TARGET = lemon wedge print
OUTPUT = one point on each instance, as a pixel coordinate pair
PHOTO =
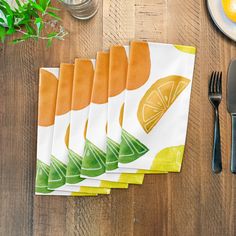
(94, 161)
(41, 185)
(186, 49)
(112, 154)
(159, 97)
(130, 148)
(169, 159)
(67, 136)
(73, 168)
(121, 114)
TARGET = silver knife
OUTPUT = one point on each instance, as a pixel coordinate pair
(231, 102)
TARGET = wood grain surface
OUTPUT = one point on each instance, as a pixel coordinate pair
(192, 203)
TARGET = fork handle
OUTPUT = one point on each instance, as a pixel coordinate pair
(216, 161)
(233, 145)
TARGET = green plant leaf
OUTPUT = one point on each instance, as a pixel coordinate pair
(37, 6)
(1, 20)
(7, 7)
(10, 31)
(54, 9)
(52, 14)
(49, 43)
(52, 35)
(39, 24)
(30, 29)
(2, 33)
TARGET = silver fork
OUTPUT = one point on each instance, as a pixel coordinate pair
(215, 96)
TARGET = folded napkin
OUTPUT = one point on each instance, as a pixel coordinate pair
(48, 83)
(81, 96)
(94, 161)
(59, 153)
(116, 98)
(156, 106)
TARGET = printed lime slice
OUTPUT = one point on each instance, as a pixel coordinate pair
(94, 161)
(57, 175)
(73, 168)
(113, 149)
(41, 182)
(130, 148)
(169, 159)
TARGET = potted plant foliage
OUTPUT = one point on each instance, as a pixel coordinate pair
(30, 19)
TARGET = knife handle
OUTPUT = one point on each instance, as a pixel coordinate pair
(233, 145)
(216, 161)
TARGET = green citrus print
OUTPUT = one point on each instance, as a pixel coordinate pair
(73, 168)
(57, 176)
(130, 149)
(94, 161)
(113, 149)
(169, 159)
(41, 185)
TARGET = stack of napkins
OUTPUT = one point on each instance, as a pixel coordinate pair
(104, 123)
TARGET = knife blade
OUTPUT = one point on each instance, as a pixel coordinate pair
(231, 103)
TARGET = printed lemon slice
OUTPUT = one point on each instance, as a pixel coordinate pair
(121, 114)
(67, 136)
(57, 175)
(41, 185)
(112, 154)
(169, 159)
(94, 161)
(186, 49)
(73, 168)
(159, 97)
(130, 148)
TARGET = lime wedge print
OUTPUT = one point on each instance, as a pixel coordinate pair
(41, 185)
(57, 175)
(169, 159)
(73, 168)
(113, 149)
(131, 148)
(94, 161)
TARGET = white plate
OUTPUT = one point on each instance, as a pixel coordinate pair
(223, 23)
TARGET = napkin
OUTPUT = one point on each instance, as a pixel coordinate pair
(94, 161)
(59, 153)
(116, 98)
(156, 106)
(48, 84)
(116, 91)
(81, 96)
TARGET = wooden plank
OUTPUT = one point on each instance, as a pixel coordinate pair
(118, 22)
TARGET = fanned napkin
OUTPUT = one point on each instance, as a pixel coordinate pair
(156, 106)
(81, 96)
(48, 84)
(94, 161)
(59, 153)
(116, 98)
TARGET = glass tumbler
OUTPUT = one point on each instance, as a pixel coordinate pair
(81, 9)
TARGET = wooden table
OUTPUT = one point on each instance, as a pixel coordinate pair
(194, 202)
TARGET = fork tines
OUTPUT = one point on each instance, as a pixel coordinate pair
(215, 84)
